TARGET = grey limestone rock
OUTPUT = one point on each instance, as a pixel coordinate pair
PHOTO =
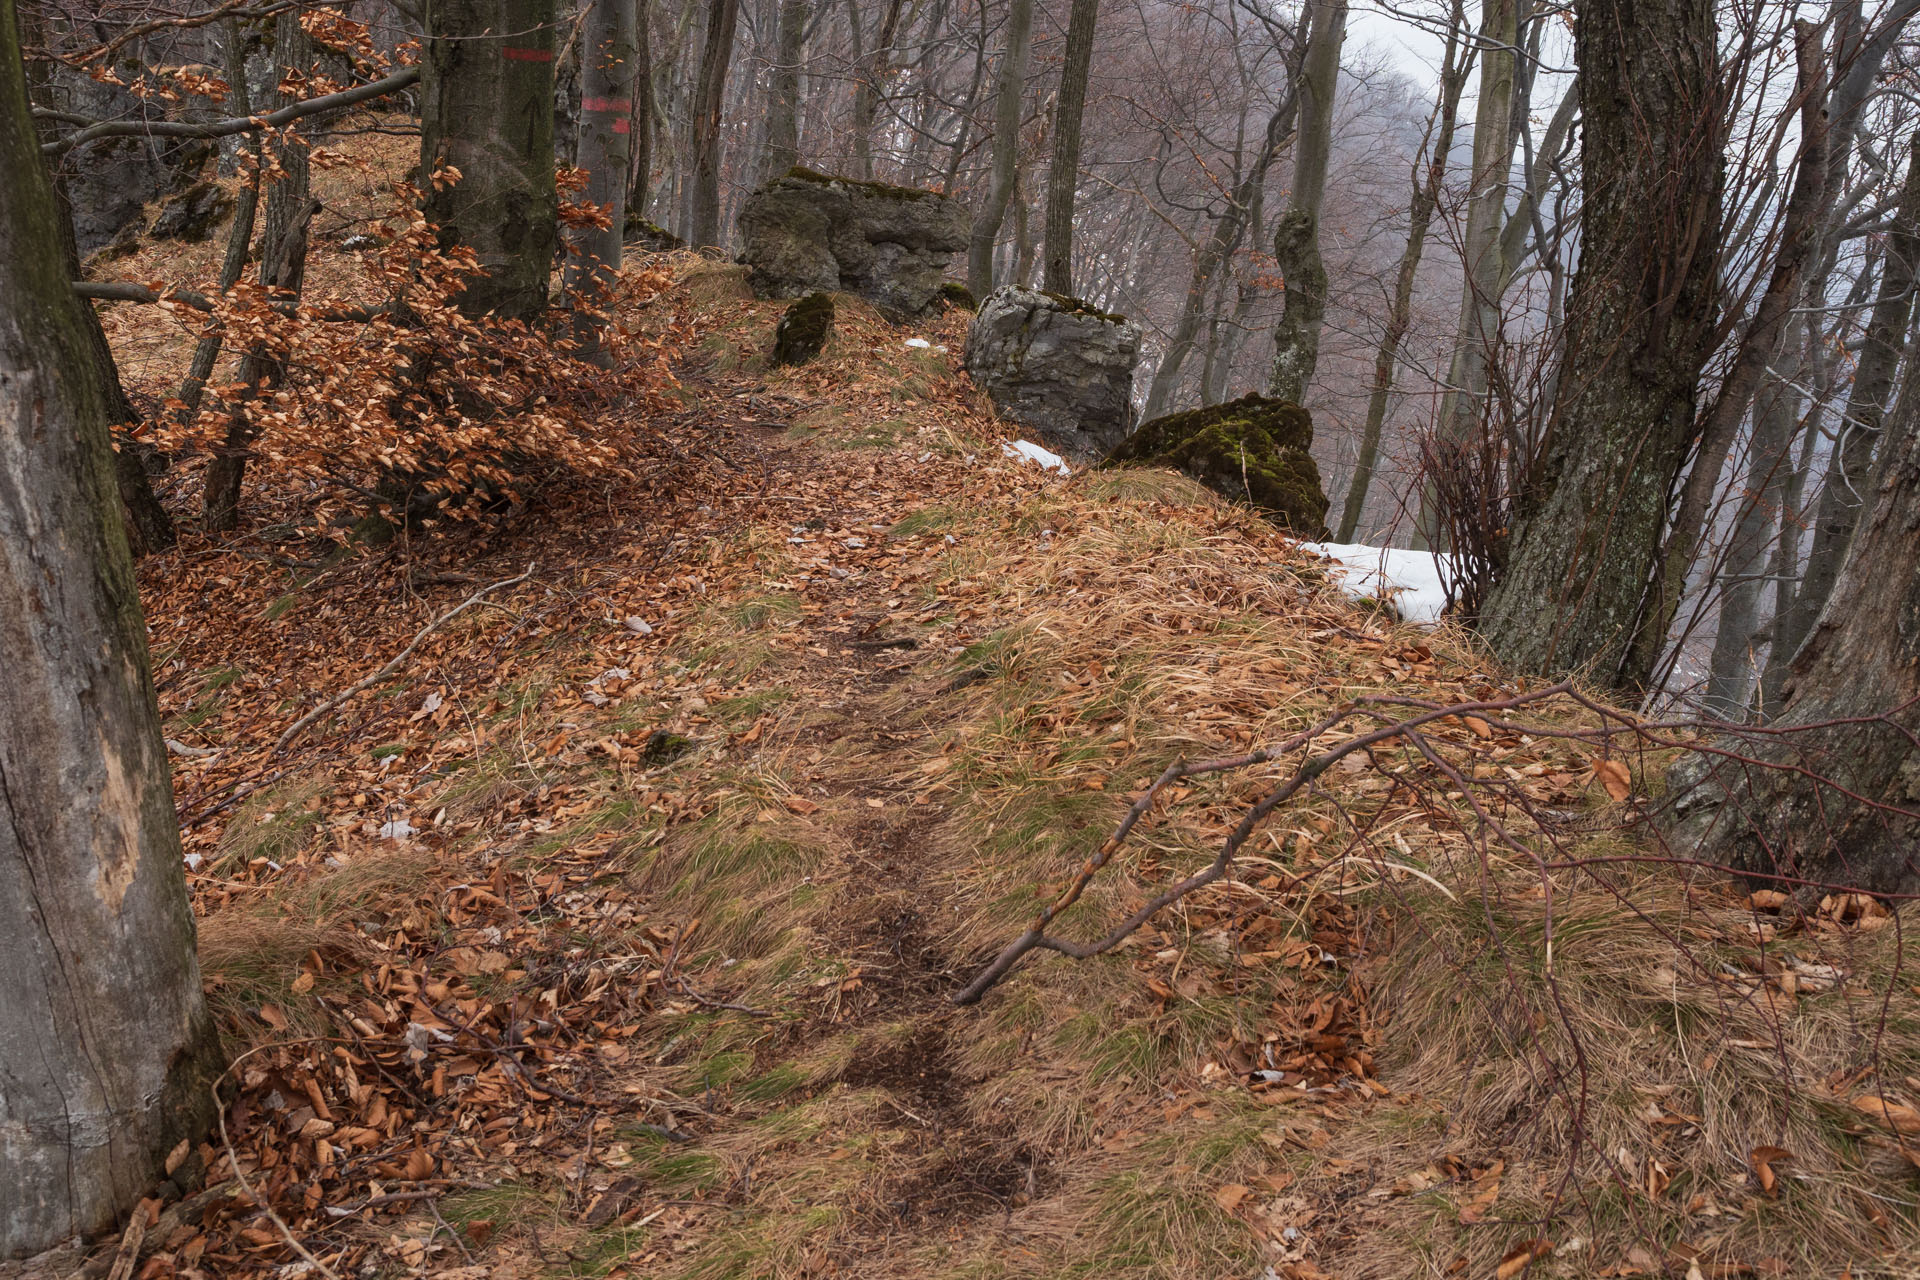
(809, 232)
(1056, 365)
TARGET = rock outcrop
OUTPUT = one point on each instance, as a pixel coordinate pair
(809, 232)
(804, 329)
(1253, 450)
(1056, 365)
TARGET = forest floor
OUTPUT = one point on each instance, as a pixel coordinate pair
(615, 932)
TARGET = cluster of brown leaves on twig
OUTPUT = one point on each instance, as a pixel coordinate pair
(408, 403)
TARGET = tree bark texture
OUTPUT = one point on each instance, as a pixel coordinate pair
(1641, 328)
(1849, 475)
(866, 94)
(1799, 235)
(106, 1047)
(1487, 186)
(607, 87)
(703, 227)
(1063, 181)
(782, 150)
(1426, 197)
(1006, 147)
(486, 95)
(1296, 240)
(1840, 809)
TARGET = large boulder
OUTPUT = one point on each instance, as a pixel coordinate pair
(1056, 365)
(809, 232)
(1253, 450)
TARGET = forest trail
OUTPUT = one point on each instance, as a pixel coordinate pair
(616, 933)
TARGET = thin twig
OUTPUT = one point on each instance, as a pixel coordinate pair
(368, 682)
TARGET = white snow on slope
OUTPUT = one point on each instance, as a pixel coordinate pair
(1032, 452)
(1415, 582)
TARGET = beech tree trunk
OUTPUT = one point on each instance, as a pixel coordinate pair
(1296, 240)
(782, 150)
(607, 86)
(1799, 235)
(1641, 326)
(866, 94)
(1849, 474)
(106, 1047)
(640, 158)
(1839, 811)
(1064, 179)
(1006, 147)
(703, 226)
(1454, 67)
(486, 109)
(149, 527)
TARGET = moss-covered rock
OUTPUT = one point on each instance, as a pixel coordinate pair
(955, 294)
(809, 231)
(648, 235)
(804, 329)
(1253, 450)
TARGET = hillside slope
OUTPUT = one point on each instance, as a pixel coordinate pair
(616, 932)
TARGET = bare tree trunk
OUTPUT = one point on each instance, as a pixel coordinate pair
(703, 225)
(486, 94)
(149, 527)
(1493, 143)
(1296, 241)
(866, 95)
(206, 352)
(283, 269)
(1064, 178)
(607, 87)
(1426, 196)
(1839, 811)
(1641, 327)
(782, 150)
(1743, 577)
(640, 157)
(1799, 235)
(1849, 473)
(1006, 147)
(106, 1047)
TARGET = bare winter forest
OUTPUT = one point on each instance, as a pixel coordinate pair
(1143, 640)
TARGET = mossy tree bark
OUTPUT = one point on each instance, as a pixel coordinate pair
(149, 527)
(1296, 240)
(106, 1047)
(486, 93)
(1640, 329)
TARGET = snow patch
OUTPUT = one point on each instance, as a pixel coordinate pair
(1414, 582)
(1032, 452)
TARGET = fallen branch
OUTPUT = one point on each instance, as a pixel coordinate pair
(334, 703)
(1037, 938)
(401, 79)
(128, 291)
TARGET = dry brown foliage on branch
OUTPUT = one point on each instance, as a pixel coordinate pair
(396, 402)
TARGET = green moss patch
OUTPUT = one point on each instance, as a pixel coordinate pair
(805, 174)
(1253, 450)
(804, 329)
